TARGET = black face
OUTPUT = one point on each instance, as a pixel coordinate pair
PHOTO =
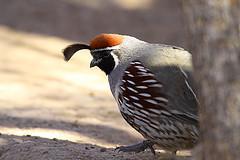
(104, 60)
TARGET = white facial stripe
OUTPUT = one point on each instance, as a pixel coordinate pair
(116, 60)
(105, 49)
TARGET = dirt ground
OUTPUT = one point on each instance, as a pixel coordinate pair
(50, 109)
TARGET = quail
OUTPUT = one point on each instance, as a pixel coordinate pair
(153, 87)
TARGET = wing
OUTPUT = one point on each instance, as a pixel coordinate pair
(144, 93)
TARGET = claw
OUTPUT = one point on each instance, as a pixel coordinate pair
(139, 147)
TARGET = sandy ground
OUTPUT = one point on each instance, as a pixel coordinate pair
(50, 109)
(45, 97)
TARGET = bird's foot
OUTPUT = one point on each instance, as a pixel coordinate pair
(139, 147)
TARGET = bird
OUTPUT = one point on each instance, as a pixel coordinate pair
(153, 87)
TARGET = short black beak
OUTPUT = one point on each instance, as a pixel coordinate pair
(95, 62)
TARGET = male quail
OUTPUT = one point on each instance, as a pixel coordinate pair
(153, 87)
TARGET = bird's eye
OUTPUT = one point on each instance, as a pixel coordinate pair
(105, 54)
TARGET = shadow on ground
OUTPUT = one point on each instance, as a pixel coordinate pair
(44, 97)
(32, 148)
(79, 20)
(93, 131)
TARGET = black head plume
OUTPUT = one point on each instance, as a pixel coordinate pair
(69, 51)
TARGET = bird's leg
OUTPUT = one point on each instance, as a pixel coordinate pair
(139, 147)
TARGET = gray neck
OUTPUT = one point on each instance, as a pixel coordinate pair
(130, 50)
(115, 77)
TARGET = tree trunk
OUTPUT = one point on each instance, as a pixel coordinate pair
(215, 36)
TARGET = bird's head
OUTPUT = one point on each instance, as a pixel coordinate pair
(106, 50)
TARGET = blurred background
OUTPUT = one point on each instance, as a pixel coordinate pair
(41, 95)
